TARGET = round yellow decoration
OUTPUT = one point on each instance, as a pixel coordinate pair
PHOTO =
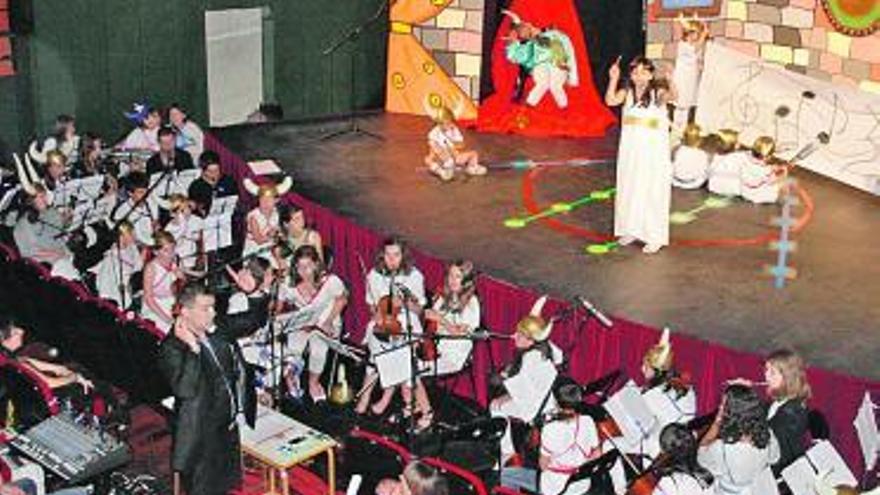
(429, 67)
(398, 81)
(435, 100)
(438, 3)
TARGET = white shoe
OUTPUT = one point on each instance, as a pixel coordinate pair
(626, 240)
(651, 248)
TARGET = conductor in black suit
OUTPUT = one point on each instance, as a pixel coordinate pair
(212, 387)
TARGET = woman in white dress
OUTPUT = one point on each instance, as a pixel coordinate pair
(322, 296)
(644, 166)
(680, 473)
(113, 273)
(456, 313)
(739, 448)
(296, 233)
(160, 275)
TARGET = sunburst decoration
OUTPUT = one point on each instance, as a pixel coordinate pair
(853, 17)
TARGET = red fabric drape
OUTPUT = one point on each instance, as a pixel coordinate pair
(586, 115)
(592, 351)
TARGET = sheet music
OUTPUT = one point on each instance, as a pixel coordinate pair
(174, 182)
(631, 413)
(866, 428)
(395, 367)
(802, 474)
(217, 232)
(282, 440)
(223, 205)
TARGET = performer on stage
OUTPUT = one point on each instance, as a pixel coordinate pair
(296, 233)
(446, 149)
(688, 67)
(322, 296)
(690, 163)
(739, 447)
(186, 229)
(761, 176)
(263, 225)
(547, 55)
(456, 312)
(138, 209)
(64, 139)
(169, 158)
(644, 167)
(211, 184)
(568, 441)
(727, 164)
(212, 389)
(190, 137)
(528, 381)
(160, 276)
(679, 473)
(394, 282)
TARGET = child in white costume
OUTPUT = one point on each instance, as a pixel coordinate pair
(446, 149)
(113, 273)
(644, 166)
(263, 223)
(688, 67)
(759, 177)
(727, 164)
(690, 163)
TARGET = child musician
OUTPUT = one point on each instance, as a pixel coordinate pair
(680, 473)
(690, 163)
(113, 273)
(263, 224)
(456, 312)
(160, 275)
(528, 381)
(187, 231)
(322, 296)
(760, 176)
(688, 67)
(568, 441)
(394, 282)
(446, 149)
(644, 167)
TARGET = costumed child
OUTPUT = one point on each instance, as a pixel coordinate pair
(113, 273)
(446, 148)
(727, 163)
(688, 67)
(761, 176)
(644, 166)
(547, 55)
(187, 231)
(690, 164)
(528, 381)
(145, 136)
(263, 225)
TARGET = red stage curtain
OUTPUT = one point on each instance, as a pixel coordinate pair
(586, 115)
(592, 351)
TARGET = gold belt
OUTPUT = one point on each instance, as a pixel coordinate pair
(649, 122)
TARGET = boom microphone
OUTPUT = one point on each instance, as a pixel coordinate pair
(593, 310)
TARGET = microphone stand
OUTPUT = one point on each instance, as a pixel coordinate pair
(352, 34)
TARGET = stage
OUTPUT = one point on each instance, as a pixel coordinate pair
(709, 283)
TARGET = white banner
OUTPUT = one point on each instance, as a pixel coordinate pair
(757, 98)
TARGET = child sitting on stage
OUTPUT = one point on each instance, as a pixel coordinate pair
(725, 169)
(760, 175)
(690, 164)
(446, 148)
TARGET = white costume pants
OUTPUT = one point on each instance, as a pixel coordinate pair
(552, 78)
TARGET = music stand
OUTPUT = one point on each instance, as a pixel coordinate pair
(351, 35)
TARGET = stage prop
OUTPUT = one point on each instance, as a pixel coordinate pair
(756, 98)
(415, 76)
(853, 17)
(658, 9)
(585, 114)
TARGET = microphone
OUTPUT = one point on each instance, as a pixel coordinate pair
(354, 484)
(593, 310)
(483, 334)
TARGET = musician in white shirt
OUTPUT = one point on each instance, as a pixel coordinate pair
(393, 281)
(680, 473)
(113, 273)
(320, 297)
(528, 381)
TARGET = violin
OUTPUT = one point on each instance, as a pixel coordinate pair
(427, 350)
(387, 311)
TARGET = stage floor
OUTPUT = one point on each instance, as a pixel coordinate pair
(709, 284)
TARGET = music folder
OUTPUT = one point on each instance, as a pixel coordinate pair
(802, 474)
(631, 413)
(866, 429)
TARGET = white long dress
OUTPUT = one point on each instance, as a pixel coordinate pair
(163, 292)
(318, 308)
(725, 171)
(115, 284)
(453, 353)
(690, 167)
(686, 75)
(644, 174)
(187, 233)
(264, 223)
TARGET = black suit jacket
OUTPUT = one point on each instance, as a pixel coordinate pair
(182, 161)
(789, 425)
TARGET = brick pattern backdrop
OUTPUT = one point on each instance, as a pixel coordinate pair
(455, 40)
(6, 68)
(793, 33)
